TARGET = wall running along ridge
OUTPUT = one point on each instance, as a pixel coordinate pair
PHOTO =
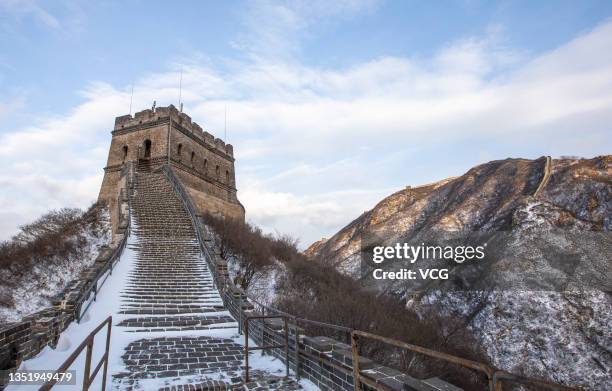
(326, 362)
(22, 340)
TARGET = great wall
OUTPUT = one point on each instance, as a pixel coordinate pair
(178, 320)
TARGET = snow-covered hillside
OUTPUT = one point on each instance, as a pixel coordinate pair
(38, 263)
(544, 308)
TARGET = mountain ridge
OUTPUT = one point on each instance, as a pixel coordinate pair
(520, 178)
(543, 306)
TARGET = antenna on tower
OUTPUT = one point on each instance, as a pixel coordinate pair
(181, 90)
(131, 97)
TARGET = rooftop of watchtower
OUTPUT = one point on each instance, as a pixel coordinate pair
(178, 118)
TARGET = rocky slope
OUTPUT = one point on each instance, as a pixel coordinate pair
(553, 219)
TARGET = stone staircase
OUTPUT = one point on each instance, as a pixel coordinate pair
(171, 297)
(170, 282)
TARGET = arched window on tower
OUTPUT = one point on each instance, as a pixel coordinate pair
(147, 149)
(217, 172)
(227, 177)
(125, 153)
(192, 158)
(179, 150)
(206, 166)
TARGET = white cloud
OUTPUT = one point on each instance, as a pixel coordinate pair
(316, 147)
(277, 29)
(307, 217)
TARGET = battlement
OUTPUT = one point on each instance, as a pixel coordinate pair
(164, 136)
(150, 116)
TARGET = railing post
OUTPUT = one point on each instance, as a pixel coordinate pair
(286, 346)
(246, 349)
(494, 384)
(355, 348)
(88, 343)
(240, 315)
(108, 338)
(87, 363)
(263, 330)
(297, 349)
(120, 249)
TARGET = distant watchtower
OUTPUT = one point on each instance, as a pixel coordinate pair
(163, 135)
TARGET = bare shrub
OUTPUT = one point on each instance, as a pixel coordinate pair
(284, 248)
(314, 289)
(50, 240)
(243, 243)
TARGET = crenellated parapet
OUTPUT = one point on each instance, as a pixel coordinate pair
(165, 136)
(181, 120)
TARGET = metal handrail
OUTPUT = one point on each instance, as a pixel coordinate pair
(221, 284)
(264, 347)
(494, 376)
(500, 376)
(88, 342)
(297, 318)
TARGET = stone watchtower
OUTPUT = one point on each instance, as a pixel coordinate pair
(163, 135)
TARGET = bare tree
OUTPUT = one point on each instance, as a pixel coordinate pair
(243, 244)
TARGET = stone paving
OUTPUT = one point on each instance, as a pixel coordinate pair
(265, 382)
(170, 295)
(182, 356)
(177, 323)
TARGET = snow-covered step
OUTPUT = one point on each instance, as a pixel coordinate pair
(183, 322)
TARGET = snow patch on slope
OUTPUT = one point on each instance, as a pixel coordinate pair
(33, 291)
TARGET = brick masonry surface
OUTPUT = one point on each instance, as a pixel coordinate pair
(170, 293)
(177, 323)
(164, 135)
(183, 356)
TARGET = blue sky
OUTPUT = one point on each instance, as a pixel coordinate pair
(331, 105)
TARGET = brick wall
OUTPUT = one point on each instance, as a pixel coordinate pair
(204, 163)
